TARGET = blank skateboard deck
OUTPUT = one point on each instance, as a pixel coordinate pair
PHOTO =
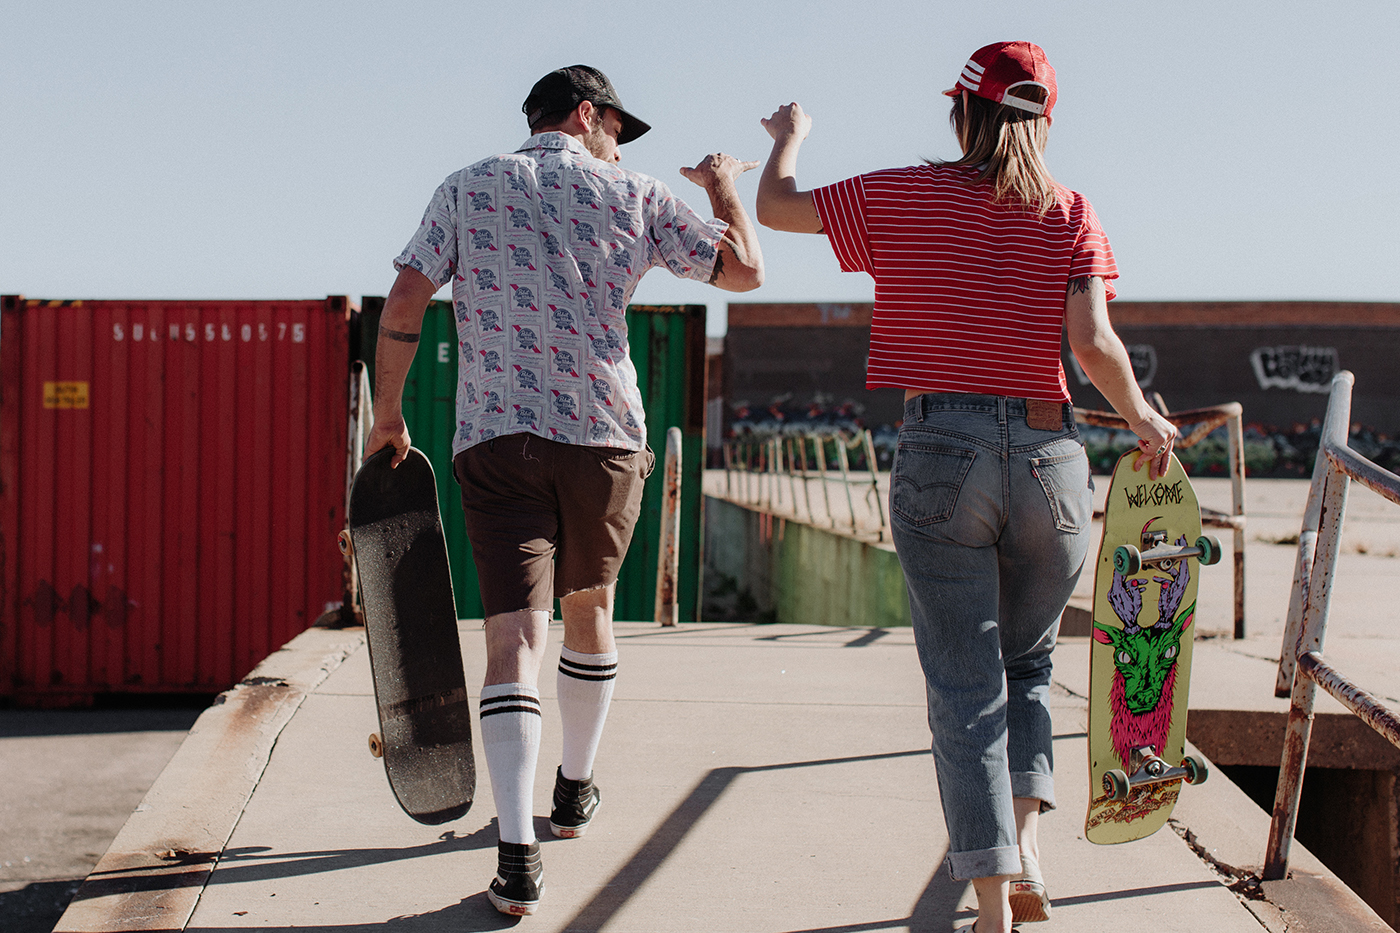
(411, 625)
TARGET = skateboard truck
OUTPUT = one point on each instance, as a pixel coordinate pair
(1149, 769)
(1155, 552)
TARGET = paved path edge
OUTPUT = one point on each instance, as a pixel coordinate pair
(152, 876)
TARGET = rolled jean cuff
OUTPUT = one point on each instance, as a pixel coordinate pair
(1034, 784)
(984, 863)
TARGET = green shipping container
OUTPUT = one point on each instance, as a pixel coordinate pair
(668, 349)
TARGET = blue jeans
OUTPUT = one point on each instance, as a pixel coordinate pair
(990, 519)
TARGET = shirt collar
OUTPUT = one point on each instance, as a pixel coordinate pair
(554, 139)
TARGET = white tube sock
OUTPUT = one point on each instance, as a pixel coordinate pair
(510, 739)
(585, 693)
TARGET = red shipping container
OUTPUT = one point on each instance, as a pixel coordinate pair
(172, 479)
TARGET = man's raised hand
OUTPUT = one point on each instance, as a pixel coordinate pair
(717, 167)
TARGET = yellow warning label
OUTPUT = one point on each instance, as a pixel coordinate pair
(65, 395)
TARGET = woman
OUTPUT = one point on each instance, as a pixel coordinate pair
(979, 264)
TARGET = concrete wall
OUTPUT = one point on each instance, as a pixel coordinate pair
(799, 355)
(760, 567)
(1276, 358)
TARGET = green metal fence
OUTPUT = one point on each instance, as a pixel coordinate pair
(668, 350)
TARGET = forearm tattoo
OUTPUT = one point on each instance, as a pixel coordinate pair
(719, 267)
(1079, 285)
(399, 335)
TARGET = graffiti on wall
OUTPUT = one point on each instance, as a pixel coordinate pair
(1143, 356)
(1302, 369)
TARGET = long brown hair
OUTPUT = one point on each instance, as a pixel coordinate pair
(1007, 145)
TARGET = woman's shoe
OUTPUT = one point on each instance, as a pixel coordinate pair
(1029, 903)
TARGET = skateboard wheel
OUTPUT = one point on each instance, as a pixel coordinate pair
(1210, 549)
(343, 539)
(376, 745)
(1196, 769)
(1115, 784)
(1127, 560)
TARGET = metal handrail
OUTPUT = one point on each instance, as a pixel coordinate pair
(1205, 420)
(1301, 663)
(668, 556)
(754, 470)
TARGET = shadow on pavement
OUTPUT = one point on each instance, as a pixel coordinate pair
(36, 723)
(36, 907)
(618, 890)
(248, 863)
(471, 915)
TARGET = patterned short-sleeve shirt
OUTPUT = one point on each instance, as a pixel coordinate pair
(544, 247)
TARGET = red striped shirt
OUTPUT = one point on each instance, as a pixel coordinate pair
(969, 294)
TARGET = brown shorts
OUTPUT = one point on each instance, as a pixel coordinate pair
(547, 519)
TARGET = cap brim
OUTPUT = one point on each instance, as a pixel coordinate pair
(952, 92)
(631, 126)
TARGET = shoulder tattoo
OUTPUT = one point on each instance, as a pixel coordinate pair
(1079, 285)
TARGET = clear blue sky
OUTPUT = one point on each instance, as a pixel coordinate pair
(1240, 150)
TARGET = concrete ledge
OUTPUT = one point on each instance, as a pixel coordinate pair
(155, 870)
(1255, 737)
(803, 575)
(1230, 832)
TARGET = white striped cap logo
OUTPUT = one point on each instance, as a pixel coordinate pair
(971, 76)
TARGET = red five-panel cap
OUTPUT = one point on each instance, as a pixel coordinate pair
(997, 68)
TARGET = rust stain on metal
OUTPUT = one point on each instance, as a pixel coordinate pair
(668, 557)
(1203, 420)
(1337, 464)
(1367, 708)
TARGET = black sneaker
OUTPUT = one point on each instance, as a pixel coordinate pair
(575, 802)
(519, 880)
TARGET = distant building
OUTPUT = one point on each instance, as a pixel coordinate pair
(1276, 358)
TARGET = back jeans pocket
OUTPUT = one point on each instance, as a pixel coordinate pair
(1069, 489)
(927, 480)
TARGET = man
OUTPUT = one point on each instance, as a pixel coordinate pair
(544, 247)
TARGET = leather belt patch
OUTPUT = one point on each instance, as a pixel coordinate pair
(1042, 415)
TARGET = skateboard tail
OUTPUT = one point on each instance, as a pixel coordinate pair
(433, 783)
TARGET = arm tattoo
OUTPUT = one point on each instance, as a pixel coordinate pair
(399, 335)
(1079, 285)
(719, 267)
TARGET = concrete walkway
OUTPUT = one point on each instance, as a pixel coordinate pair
(755, 778)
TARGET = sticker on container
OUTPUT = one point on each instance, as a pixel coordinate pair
(65, 395)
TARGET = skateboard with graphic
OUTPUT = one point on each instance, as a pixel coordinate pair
(395, 537)
(1145, 586)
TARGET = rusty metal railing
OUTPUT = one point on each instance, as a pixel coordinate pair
(777, 473)
(361, 415)
(668, 557)
(1202, 422)
(1301, 666)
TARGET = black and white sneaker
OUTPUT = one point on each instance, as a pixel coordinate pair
(519, 880)
(575, 802)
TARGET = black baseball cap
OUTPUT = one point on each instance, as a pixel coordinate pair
(563, 90)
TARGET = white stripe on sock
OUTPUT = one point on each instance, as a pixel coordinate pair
(585, 689)
(510, 740)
